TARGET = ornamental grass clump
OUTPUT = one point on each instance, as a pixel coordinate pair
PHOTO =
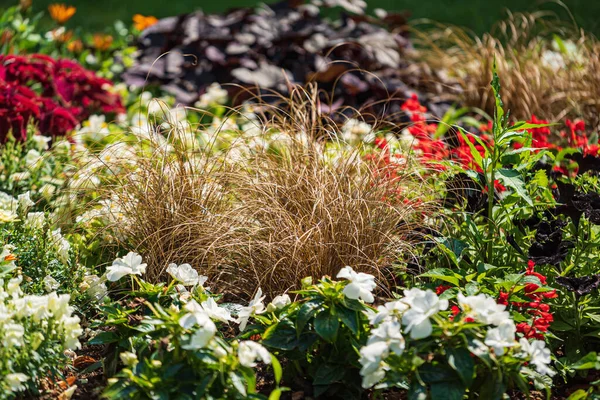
(171, 204)
(548, 68)
(317, 204)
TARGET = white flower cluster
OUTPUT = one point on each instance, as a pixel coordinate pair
(412, 315)
(28, 322)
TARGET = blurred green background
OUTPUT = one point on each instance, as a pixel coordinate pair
(478, 15)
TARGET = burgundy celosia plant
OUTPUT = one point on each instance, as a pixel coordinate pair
(55, 94)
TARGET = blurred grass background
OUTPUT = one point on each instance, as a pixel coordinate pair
(477, 15)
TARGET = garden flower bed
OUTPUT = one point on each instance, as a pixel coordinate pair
(294, 201)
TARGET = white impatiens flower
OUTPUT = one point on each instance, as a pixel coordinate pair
(195, 315)
(279, 302)
(384, 339)
(539, 355)
(213, 310)
(256, 306)
(501, 337)
(250, 352)
(202, 336)
(388, 311)
(423, 305)
(483, 308)
(15, 382)
(186, 274)
(131, 264)
(361, 285)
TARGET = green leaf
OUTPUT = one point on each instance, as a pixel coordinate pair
(443, 274)
(277, 371)
(275, 394)
(578, 395)
(589, 361)
(493, 388)
(326, 374)
(450, 390)
(305, 313)
(326, 326)
(349, 318)
(474, 152)
(512, 179)
(105, 338)
(461, 361)
(281, 336)
(238, 383)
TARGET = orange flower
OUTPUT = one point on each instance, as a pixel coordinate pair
(61, 13)
(10, 257)
(141, 22)
(102, 42)
(76, 46)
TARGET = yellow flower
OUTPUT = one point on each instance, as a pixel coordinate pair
(61, 13)
(102, 42)
(141, 22)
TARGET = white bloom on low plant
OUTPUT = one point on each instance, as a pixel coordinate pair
(196, 315)
(361, 285)
(423, 305)
(202, 336)
(94, 287)
(61, 245)
(483, 308)
(354, 130)
(214, 95)
(389, 311)
(186, 274)
(15, 382)
(95, 128)
(250, 352)
(501, 337)
(279, 302)
(25, 201)
(41, 142)
(7, 216)
(33, 158)
(539, 355)
(13, 335)
(213, 310)
(386, 338)
(131, 264)
(256, 306)
(50, 284)
(35, 220)
(128, 358)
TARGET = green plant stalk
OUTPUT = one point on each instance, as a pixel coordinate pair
(491, 192)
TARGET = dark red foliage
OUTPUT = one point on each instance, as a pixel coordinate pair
(56, 94)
